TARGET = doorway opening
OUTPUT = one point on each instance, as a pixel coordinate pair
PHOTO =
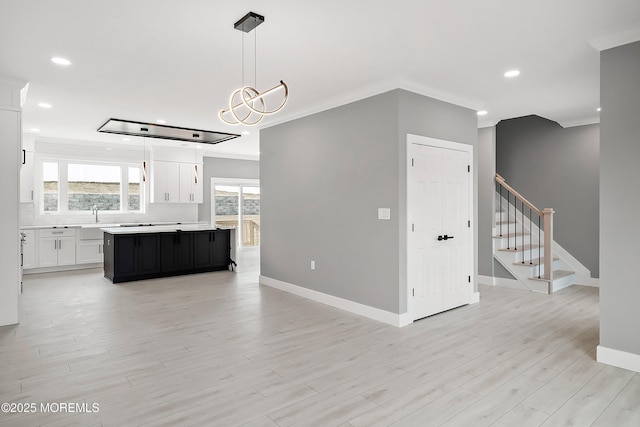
(236, 203)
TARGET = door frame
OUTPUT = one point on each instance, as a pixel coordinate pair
(449, 145)
(240, 182)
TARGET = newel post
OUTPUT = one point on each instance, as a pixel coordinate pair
(548, 243)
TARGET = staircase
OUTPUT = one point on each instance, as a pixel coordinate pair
(520, 244)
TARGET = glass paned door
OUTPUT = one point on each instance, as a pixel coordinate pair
(239, 206)
(250, 216)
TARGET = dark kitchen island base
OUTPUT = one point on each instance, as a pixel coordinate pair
(136, 255)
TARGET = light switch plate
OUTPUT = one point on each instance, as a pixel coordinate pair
(384, 213)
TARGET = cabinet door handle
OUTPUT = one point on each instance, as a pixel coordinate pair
(55, 244)
(59, 244)
(31, 194)
(24, 157)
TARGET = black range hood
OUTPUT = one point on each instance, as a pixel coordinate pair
(152, 130)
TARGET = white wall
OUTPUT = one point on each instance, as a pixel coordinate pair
(10, 146)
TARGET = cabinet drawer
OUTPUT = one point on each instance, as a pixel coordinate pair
(57, 232)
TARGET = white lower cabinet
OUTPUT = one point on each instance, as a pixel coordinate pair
(89, 251)
(56, 247)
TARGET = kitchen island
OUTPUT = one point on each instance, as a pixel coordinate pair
(146, 252)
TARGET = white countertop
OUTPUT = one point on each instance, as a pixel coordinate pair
(108, 225)
(163, 228)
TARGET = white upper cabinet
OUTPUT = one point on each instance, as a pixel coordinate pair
(190, 183)
(173, 182)
(165, 182)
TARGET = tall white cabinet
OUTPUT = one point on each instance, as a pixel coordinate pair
(10, 146)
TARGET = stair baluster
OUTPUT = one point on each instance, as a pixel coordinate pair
(530, 239)
(508, 220)
(522, 226)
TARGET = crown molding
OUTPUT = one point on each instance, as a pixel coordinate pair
(377, 89)
(620, 38)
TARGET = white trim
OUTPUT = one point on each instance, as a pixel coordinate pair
(487, 123)
(475, 298)
(485, 280)
(383, 316)
(377, 89)
(619, 358)
(619, 38)
(508, 283)
(580, 122)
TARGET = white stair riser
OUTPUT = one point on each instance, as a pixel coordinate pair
(563, 282)
(528, 254)
(509, 242)
(533, 269)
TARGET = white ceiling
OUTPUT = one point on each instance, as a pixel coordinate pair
(180, 60)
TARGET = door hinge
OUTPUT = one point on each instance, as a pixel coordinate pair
(468, 168)
(413, 292)
(469, 223)
(413, 227)
(412, 162)
(469, 279)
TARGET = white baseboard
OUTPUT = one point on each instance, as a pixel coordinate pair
(618, 358)
(383, 316)
(475, 298)
(484, 280)
(508, 283)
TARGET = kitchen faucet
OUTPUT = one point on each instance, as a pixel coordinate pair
(95, 212)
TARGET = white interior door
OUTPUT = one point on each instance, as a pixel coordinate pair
(439, 235)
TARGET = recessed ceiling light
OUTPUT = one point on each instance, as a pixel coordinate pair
(482, 112)
(598, 109)
(34, 130)
(512, 73)
(60, 61)
(109, 148)
(126, 139)
(44, 105)
(160, 121)
(246, 132)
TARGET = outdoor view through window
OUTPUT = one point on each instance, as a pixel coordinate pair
(228, 199)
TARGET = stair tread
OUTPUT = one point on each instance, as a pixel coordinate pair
(557, 274)
(534, 262)
(521, 248)
(504, 235)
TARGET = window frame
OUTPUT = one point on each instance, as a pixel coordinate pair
(63, 186)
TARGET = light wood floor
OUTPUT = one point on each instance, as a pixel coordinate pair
(218, 349)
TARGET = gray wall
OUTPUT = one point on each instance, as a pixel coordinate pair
(619, 202)
(223, 168)
(486, 198)
(557, 168)
(351, 156)
(424, 116)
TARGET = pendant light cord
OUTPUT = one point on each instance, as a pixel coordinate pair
(255, 57)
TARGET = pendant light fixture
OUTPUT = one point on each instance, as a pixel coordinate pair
(247, 105)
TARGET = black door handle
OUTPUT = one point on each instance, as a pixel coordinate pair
(445, 237)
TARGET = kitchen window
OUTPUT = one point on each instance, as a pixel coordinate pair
(75, 186)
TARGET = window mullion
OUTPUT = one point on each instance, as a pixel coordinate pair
(63, 182)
